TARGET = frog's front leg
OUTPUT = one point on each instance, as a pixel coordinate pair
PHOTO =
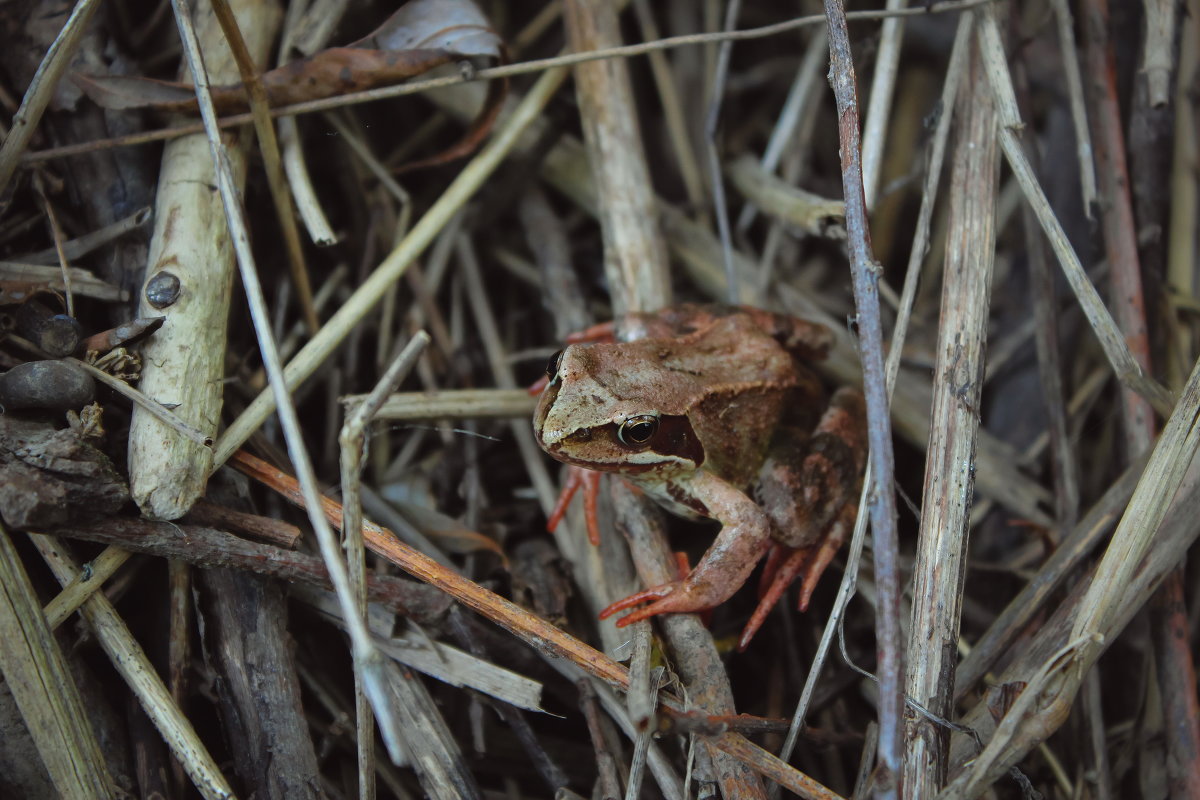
(744, 538)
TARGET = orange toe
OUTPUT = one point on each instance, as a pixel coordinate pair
(783, 572)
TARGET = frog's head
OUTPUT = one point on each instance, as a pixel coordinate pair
(595, 414)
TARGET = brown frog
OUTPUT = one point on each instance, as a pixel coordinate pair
(712, 411)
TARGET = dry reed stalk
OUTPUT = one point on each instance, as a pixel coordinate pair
(939, 574)
(40, 681)
(352, 441)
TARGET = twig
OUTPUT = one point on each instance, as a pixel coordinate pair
(1064, 466)
(538, 633)
(352, 443)
(879, 106)
(89, 581)
(152, 407)
(1083, 134)
(211, 548)
(367, 659)
(673, 113)
(1117, 222)
(635, 259)
(80, 246)
(1177, 685)
(797, 106)
(39, 678)
(711, 122)
(268, 146)
(865, 274)
(187, 277)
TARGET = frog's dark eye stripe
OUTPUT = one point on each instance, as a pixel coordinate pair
(552, 366)
(638, 430)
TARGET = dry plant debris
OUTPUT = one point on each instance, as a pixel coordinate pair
(1006, 193)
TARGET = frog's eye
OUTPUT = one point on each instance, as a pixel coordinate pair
(637, 430)
(552, 365)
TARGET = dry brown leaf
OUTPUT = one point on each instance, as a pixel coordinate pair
(420, 36)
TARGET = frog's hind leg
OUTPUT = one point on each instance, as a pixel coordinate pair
(810, 487)
(806, 480)
(784, 564)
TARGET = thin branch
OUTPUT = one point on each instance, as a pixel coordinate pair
(865, 272)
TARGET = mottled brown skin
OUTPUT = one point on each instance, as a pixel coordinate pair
(702, 404)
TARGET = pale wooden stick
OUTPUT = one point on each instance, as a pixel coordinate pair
(184, 362)
(846, 589)
(1083, 135)
(879, 107)
(298, 22)
(673, 112)
(89, 580)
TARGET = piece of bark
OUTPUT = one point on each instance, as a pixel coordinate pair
(206, 547)
(51, 477)
(248, 646)
(151, 756)
(263, 529)
(184, 360)
(693, 652)
(436, 756)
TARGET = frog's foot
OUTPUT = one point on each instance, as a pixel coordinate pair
(784, 564)
(677, 597)
(744, 539)
(589, 480)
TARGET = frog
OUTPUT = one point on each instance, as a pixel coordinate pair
(715, 412)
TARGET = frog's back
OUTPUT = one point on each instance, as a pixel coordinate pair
(732, 351)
